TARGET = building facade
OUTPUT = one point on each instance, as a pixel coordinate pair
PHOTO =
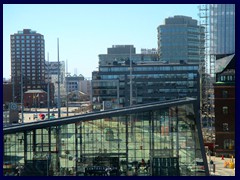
(149, 51)
(224, 91)
(222, 28)
(121, 53)
(35, 99)
(7, 93)
(85, 87)
(181, 39)
(27, 62)
(157, 139)
(219, 22)
(52, 71)
(150, 82)
(73, 82)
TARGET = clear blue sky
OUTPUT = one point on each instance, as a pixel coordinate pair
(85, 31)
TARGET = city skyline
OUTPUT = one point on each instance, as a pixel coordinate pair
(85, 30)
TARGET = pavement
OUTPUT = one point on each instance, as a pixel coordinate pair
(220, 170)
(29, 115)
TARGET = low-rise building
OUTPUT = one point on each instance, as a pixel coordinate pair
(151, 81)
(224, 91)
(35, 98)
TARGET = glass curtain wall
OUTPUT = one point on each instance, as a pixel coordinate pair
(161, 142)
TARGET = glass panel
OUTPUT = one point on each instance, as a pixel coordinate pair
(155, 142)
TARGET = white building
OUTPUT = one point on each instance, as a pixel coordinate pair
(149, 51)
(53, 74)
(85, 86)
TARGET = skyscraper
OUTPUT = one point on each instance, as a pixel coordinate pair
(222, 32)
(27, 62)
(181, 39)
(222, 28)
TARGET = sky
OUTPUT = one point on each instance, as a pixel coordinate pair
(87, 30)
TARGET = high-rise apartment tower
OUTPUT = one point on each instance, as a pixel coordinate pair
(27, 62)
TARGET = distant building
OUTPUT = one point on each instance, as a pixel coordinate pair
(73, 82)
(121, 49)
(149, 51)
(10, 117)
(151, 81)
(52, 69)
(121, 53)
(27, 62)
(222, 30)
(224, 91)
(35, 99)
(7, 93)
(85, 86)
(180, 38)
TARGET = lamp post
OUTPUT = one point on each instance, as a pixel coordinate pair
(48, 89)
(13, 88)
(22, 103)
(58, 102)
(67, 85)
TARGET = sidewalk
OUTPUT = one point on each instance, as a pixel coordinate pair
(28, 116)
(220, 170)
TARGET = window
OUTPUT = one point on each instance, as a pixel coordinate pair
(225, 127)
(225, 110)
(225, 94)
(222, 78)
(228, 144)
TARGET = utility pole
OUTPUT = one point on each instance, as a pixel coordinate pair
(131, 103)
(130, 78)
(13, 88)
(67, 85)
(22, 105)
(59, 110)
(48, 89)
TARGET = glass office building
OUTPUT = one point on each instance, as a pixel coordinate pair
(156, 139)
(222, 28)
(150, 82)
(180, 38)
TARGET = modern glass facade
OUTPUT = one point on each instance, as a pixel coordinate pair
(222, 28)
(151, 81)
(158, 139)
(180, 38)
